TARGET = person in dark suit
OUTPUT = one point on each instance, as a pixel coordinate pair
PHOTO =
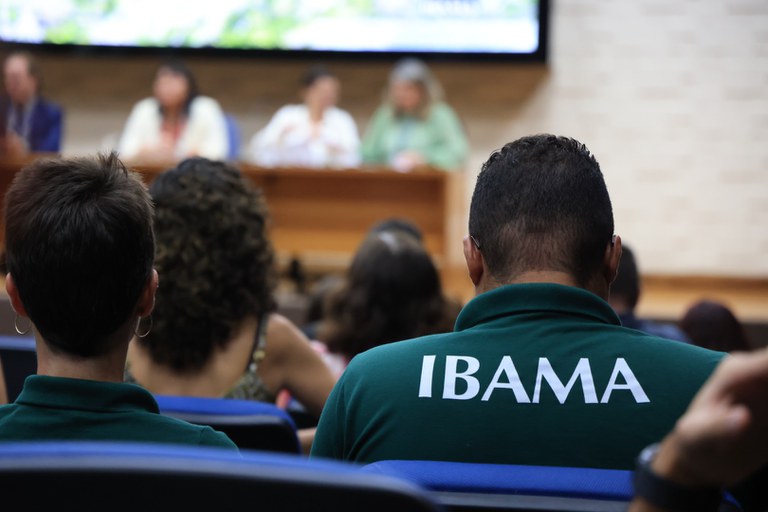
(28, 122)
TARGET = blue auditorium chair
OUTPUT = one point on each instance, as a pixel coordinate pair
(250, 424)
(464, 486)
(19, 359)
(130, 477)
(233, 137)
(472, 486)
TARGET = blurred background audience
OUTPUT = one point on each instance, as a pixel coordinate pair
(624, 297)
(711, 324)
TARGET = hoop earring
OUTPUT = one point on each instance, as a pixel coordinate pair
(144, 334)
(16, 325)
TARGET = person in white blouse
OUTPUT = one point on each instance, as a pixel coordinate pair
(314, 133)
(175, 123)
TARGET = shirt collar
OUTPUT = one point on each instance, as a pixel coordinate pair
(66, 393)
(515, 299)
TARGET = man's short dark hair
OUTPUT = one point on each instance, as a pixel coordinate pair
(541, 203)
(80, 248)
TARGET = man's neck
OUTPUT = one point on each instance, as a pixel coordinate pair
(535, 276)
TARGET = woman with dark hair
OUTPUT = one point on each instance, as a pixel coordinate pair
(414, 126)
(391, 292)
(711, 324)
(175, 123)
(314, 133)
(215, 332)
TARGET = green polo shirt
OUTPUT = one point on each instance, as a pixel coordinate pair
(533, 374)
(56, 408)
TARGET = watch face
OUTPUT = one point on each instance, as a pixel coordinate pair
(648, 453)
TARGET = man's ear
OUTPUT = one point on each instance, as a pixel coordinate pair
(611, 259)
(13, 294)
(474, 259)
(147, 298)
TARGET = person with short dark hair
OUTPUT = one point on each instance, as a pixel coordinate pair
(625, 295)
(313, 133)
(175, 123)
(79, 256)
(29, 123)
(538, 369)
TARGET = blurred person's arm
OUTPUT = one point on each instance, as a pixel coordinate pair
(451, 150)
(373, 148)
(294, 365)
(50, 141)
(720, 440)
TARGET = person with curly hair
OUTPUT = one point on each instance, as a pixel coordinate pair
(215, 331)
(391, 292)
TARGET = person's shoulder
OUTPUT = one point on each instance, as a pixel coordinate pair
(205, 103)
(410, 350)
(202, 435)
(49, 106)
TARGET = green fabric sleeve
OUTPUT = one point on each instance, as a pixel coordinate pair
(450, 151)
(372, 147)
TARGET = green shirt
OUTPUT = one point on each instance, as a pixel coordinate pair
(533, 374)
(56, 408)
(439, 137)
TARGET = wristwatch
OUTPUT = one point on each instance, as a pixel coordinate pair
(671, 495)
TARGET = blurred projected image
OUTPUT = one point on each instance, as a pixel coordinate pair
(461, 26)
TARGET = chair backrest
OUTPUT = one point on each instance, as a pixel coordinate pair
(19, 360)
(139, 476)
(233, 136)
(250, 424)
(472, 486)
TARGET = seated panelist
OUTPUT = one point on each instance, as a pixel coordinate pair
(314, 133)
(175, 123)
(29, 123)
(414, 127)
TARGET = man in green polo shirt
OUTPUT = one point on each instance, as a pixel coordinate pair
(79, 256)
(539, 369)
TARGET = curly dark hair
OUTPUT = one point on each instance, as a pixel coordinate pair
(215, 262)
(391, 292)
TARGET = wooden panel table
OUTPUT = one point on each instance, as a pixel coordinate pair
(320, 216)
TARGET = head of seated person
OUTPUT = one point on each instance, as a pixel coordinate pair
(412, 88)
(391, 292)
(79, 254)
(215, 259)
(713, 325)
(319, 90)
(174, 87)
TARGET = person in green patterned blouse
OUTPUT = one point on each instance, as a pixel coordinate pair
(414, 127)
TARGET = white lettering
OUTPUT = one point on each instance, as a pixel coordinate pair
(507, 367)
(427, 368)
(582, 371)
(452, 374)
(631, 383)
